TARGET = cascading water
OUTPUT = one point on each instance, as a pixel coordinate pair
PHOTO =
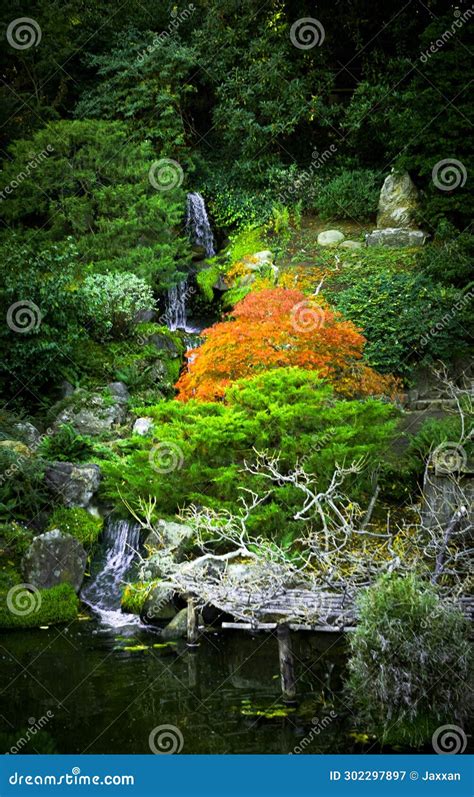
(200, 233)
(176, 306)
(103, 592)
(197, 224)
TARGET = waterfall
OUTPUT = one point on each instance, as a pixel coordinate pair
(197, 224)
(176, 306)
(200, 233)
(103, 592)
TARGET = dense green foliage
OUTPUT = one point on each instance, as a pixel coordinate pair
(414, 651)
(96, 185)
(406, 318)
(197, 451)
(286, 117)
(350, 195)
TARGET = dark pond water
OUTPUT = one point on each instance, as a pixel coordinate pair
(224, 696)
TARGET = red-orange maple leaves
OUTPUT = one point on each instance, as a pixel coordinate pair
(276, 328)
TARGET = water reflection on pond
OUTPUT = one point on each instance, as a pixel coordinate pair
(107, 690)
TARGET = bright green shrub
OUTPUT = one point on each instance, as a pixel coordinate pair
(79, 523)
(287, 410)
(207, 278)
(111, 302)
(410, 661)
(55, 605)
(350, 195)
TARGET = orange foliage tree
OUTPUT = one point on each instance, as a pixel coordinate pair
(277, 328)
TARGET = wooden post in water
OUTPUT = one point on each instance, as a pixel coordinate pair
(287, 669)
(193, 631)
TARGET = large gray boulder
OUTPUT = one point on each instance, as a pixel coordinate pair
(396, 237)
(158, 606)
(330, 238)
(398, 202)
(172, 536)
(119, 392)
(28, 434)
(91, 414)
(74, 484)
(178, 627)
(54, 558)
(164, 343)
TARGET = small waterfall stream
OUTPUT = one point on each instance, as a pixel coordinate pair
(197, 224)
(176, 306)
(103, 592)
(199, 231)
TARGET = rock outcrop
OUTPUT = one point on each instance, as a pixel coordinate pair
(54, 558)
(73, 484)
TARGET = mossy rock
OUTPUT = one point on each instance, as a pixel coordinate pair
(77, 522)
(23, 608)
